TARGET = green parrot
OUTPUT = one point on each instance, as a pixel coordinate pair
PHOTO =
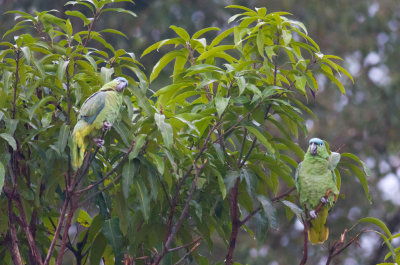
(99, 111)
(315, 178)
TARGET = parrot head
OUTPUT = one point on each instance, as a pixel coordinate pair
(316, 147)
(121, 83)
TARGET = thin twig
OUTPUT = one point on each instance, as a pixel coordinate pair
(187, 253)
(182, 181)
(58, 230)
(112, 171)
(186, 245)
(100, 190)
(185, 208)
(339, 246)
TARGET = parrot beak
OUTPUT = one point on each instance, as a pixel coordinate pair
(313, 149)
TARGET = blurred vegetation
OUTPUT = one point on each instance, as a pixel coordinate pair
(365, 121)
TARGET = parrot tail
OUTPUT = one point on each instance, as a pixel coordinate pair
(318, 233)
(80, 144)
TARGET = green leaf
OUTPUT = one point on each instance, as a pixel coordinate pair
(63, 138)
(158, 162)
(215, 50)
(113, 235)
(144, 198)
(220, 104)
(84, 218)
(165, 129)
(40, 104)
(181, 33)
(119, 10)
(128, 174)
(62, 66)
(167, 58)
(359, 161)
(260, 137)
(97, 249)
(377, 222)
(161, 43)
(27, 54)
(335, 81)
(269, 211)
(202, 31)
(362, 178)
(221, 37)
(294, 208)
(2, 175)
(114, 31)
(139, 143)
(301, 84)
(10, 139)
(13, 29)
(79, 14)
(106, 74)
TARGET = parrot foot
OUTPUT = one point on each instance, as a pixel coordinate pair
(324, 200)
(313, 214)
(98, 141)
(106, 126)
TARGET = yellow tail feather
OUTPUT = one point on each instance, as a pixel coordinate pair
(80, 133)
(318, 233)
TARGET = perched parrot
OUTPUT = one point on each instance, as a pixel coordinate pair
(316, 183)
(99, 111)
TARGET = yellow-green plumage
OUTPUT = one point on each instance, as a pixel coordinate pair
(102, 106)
(314, 177)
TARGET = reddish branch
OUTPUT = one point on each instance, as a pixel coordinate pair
(65, 235)
(305, 242)
(234, 212)
(339, 245)
(13, 245)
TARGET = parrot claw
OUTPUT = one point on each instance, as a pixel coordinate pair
(106, 126)
(313, 215)
(99, 142)
(324, 200)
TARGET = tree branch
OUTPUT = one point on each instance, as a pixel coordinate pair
(112, 171)
(175, 198)
(188, 253)
(176, 228)
(305, 242)
(186, 245)
(58, 230)
(25, 226)
(13, 245)
(65, 235)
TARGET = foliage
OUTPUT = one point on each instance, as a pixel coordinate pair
(194, 158)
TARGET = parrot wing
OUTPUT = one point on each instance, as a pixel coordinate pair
(92, 106)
